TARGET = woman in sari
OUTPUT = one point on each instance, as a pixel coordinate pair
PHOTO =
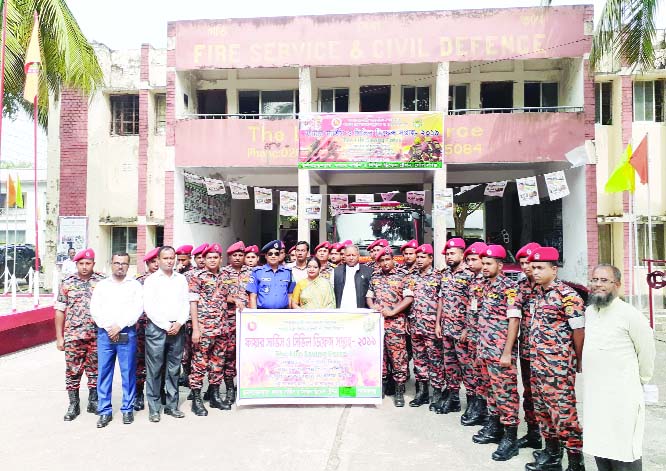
(314, 292)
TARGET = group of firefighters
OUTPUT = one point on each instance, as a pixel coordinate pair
(467, 324)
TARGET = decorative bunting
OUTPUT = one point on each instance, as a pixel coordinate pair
(288, 203)
(557, 186)
(214, 187)
(465, 189)
(339, 201)
(442, 201)
(495, 189)
(389, 196)
(365, 198)
(528, 193)
(238, 191)
(416, 197)
(263, 198)
(313, 206)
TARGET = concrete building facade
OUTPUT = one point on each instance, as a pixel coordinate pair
(223, 101)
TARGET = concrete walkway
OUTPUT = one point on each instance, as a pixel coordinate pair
(33, 435)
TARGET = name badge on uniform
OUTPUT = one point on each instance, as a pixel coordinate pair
(266, 289)
(474, 305)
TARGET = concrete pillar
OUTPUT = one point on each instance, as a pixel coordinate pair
(427, 209)
(519, 84)
(323, 191)
(354, 91)
(305, 104)
(439, 178)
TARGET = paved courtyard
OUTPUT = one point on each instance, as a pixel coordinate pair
(33, 435)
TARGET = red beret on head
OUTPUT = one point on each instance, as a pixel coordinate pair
(184, 250)
(412, 244)
(544, 254)
(151, 255)
(200, 250)
(85, 253)
(477, 248)
(347, 243)
(384, 251)
(495, 251)
(291, 249)
(213, 248)
(424, 248)
(252, 249)
(337, 246)
(456, 242)
(378, 243)
(323, 245)
(237, 247)
(527, 250)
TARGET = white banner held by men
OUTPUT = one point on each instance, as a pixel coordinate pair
(263, 198)
(528, 193)
(313, 206)
(288, 203)
(557, 186)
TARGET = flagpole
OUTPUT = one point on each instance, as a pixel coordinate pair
(15, 223)
(6, 274)
(36, 106)
(2, 65)
(631, 246)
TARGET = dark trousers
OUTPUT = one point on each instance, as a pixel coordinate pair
(166, 351)
(606, 464)
(107, 352)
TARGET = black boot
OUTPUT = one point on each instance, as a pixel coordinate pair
(477, 414)
(436, 397)
(451, 404)
(92, 401)
(74, 408)
(532, 438)
(508, 447)
(183, 379)
(548, 459)
(139, 401)
(197, 403)
(230, 395)
(492, 433)
(471, 405)
(399, 397)
(215, 399)
(422, 395)
(576, 461)
(206, 396)
(389, 386)
(442, 400)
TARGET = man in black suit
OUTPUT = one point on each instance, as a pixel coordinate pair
(348, 294)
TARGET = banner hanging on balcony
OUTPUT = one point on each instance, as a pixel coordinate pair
(370, 140)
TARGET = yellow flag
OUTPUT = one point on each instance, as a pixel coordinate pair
(623, 177)
(11, 192)
(19, 193)
(32, 62)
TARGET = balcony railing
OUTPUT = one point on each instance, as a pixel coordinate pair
(241, 116)
(523, 109)
(12, 212)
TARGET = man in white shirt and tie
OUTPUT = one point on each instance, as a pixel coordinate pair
(351, 281)
(115, 307)
(167, 305)
(69, 265)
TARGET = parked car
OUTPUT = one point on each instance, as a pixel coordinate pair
(25, 258)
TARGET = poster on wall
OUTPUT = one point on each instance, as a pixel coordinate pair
(203, 208)
(313, 206)
(288, 203)
(442, 201)
(388, 196)
(239, 191)
(337, 355)
(557, 186)
(72, 234)
(370, 140)
(364, 198)
(495, 189)
(528, 193)
(416, 197)
(339, 201)
(263, 198)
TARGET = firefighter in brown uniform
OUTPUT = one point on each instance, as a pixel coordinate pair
(208, 347)
(374, 249)
(76, 332)
(390, 293)
(557, 334)
(497, 355)
(426, 347)
(150, 259)
(527, 289)
(321, 253)
(408, 251)
(186, 362)
(251, 256)
(476, 411)
(235, 277)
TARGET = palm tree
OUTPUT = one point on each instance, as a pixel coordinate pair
(626, 33)
(68, 59)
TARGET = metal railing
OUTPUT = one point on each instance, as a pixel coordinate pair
(523, 109)
(241, 116)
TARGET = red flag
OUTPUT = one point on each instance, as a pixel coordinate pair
(639, 160)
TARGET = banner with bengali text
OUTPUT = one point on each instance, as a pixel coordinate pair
(309, 356)
(399, 140)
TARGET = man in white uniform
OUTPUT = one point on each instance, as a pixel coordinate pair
(618, 359)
